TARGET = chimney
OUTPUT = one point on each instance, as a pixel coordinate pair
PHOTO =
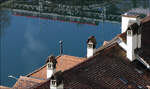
(51, 66)
(132, 40)
(126, 18)
(91, 46)
(56, 81)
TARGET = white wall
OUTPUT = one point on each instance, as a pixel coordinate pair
(50, 72)
(131, 46)
(125, 22)
(139, 40)
(90, 49)
(90, 52)
(135, 41)
(61, 86)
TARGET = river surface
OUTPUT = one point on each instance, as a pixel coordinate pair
(26, 42)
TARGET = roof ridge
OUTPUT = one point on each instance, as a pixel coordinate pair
(146, 19)
(39, 68)
(73, 56)
(111, 42)
(5, 87)
(25, 77)
(35, 70)
(90, 58)
(35, 86)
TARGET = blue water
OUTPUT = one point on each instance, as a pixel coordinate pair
(27, 42)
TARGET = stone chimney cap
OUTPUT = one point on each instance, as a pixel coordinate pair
(51, 59)
(92, 39)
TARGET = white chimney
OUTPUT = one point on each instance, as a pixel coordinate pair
(56, 81)
(91, 46)
(126, 18)
(132, 40)
(51, 66)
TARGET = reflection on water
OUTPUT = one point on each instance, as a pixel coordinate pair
(37, 26)
(86, 12)
(4, 20)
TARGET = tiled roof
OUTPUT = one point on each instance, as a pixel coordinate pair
(26, 82)
(64, 62)
(105, 42)
(131, 16)
(147, 19)
(44, 85)
(105, 70)
(3, 87)
(39, 73)
(108, 69)
(123, 37)
(145, 53)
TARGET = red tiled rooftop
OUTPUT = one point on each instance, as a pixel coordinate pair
(123, 36)
(39, 73)
(3, 87)
(64, 62)
(103, 71)
(108, 65)
(105, 42)
(145, 53)
(146, 19)
(26, 82)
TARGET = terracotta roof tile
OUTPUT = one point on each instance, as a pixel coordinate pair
(105, 70)
(4, 87)
(39, 73)
(145, 49)
(108, 69)
(146, 19)
(123, 37)
(64, 62)
(26, 82)
(44, 85)
(105, 42)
